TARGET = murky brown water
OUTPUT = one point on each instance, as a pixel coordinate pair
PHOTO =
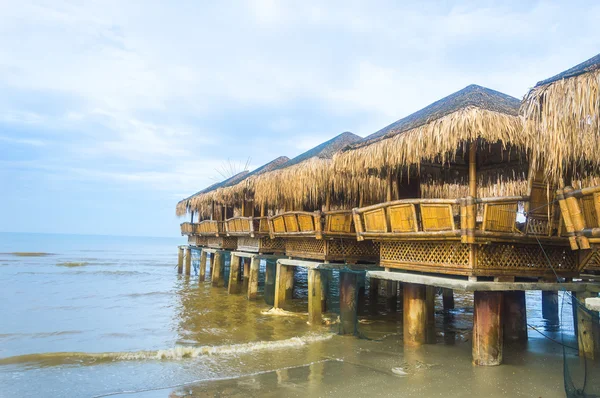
(125, 324)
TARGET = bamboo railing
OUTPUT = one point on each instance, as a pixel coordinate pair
(449, 219)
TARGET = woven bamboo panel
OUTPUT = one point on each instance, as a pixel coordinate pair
(588, 206)
(437, 217)
(374, 221)
(526, 260)
(186, 228)
(197, 240)
(339, 223)
(537, 226)
(305, 248)
(263, 226)
(447, 257)
(248, 244)
(225, 242)
(500, 217)
(403, 218)
(306, 222)
(291, 223)
(260, 245)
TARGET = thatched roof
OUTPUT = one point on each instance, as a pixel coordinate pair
(188, 203)
(302, 181)
(436, 132)
(562, 120)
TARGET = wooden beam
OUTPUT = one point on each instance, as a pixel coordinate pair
(588, 332)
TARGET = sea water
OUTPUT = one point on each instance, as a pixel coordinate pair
(94, 316)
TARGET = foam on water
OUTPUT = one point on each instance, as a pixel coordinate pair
(175, 353)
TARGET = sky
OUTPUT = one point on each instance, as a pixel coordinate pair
(113, 111)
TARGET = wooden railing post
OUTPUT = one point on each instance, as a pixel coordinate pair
(318, 225)
(358, 226)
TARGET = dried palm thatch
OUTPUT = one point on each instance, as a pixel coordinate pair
(562, 120)
(437, 133)
(193, 203)
(304, 181)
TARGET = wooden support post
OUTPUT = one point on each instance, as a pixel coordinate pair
(270, 279)
(315, 297)
(588, 330)
(373, 293)
(430, 303)
(348, 302)
(390, 292)
(487, 328)
(515, 316)
(188, 261)
(180, 260)
(448, 299)
(202, 265)
(246, 262)
(550, 305)
(253, 278)
(218, 265)
(233, 286)
(284, 285)
(415, 314)
(211, 258)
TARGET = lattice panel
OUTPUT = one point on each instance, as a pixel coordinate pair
(221, 242)
(593, 263)
(454, 254)
(342, 248)
(528, 258)
(308, 247)
(272, 245)
(537, 226)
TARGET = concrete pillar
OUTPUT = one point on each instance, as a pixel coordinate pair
(487, 328)
(448, 299)
(188, 261)
(284, 285)
(253, 278)
(233, 286)
(414, 314)
(515, 317)
(218, 265)
(550, 306)
(315, 295)
(348, 302)
(202, 265)
(588, 328)
(180, 260)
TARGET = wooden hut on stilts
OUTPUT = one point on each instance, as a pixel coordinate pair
(562, 120)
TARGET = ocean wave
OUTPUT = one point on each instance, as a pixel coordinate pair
(134, 295)
(175, 353)
(11, 336)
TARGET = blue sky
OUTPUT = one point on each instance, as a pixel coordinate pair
(112, 111)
